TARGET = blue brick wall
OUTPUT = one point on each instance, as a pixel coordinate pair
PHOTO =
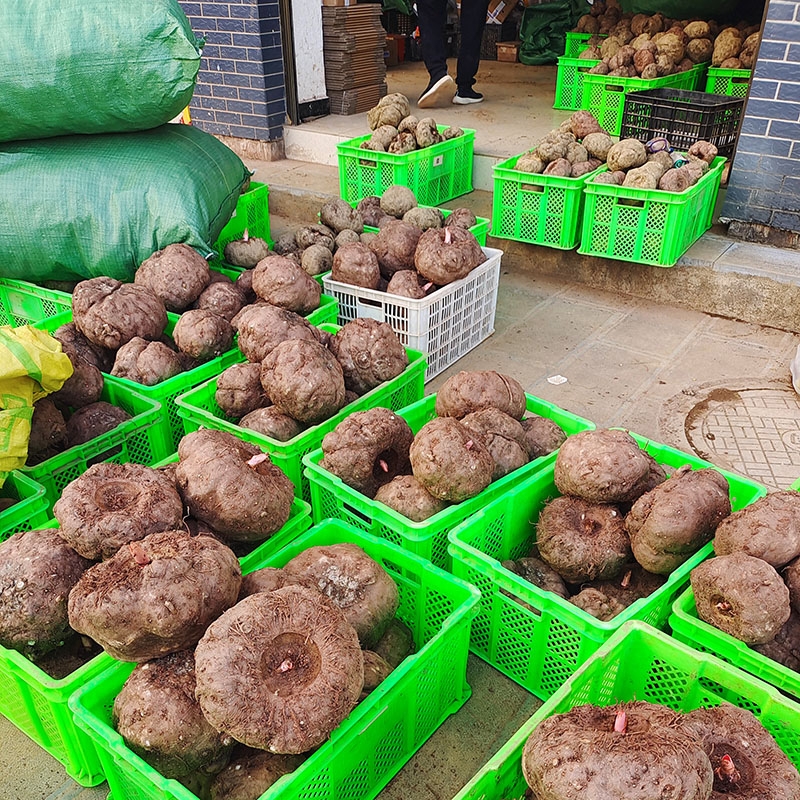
(765, 180)
(240, 89)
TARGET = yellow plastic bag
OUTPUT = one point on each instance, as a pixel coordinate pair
(32, 366)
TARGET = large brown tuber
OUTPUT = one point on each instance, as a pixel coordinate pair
(304, 380)
(146, 362)
(232, 486)
(279, 281)
(280, 670)
(675, 519)
(109, 313)
(177, 274)
(155, 596)
(94, 420)
(157, 715)
(447, 254)
(469, 391)
(357, 265)
(239, 390)
(262, 327)
(582, 540)
(368, 449)
(370, 353)
(202, 335)
(355, 582)
(395, 246)
(37, 571)
(741, 595)
(605, 466)
(111, 505)
(449, 461)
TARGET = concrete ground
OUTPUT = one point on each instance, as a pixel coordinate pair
(703, 383)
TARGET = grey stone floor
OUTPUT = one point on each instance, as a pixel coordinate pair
(627, 362)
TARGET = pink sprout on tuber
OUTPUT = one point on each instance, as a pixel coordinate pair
(257, 459)
(286, 665)
(626, 581)
(621, 722)
(469, 445)
(447, 238)
(724, 606)
(726, 772)
(246, 235)
(138, 553)
(384, 465)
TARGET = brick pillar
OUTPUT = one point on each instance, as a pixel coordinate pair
(240, 94)
(763, 198)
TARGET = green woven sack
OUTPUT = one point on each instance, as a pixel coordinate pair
(77, 207)
(93, 66)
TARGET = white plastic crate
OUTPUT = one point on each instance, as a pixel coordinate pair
(445, 325)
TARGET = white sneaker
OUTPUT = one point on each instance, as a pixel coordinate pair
(438, 94)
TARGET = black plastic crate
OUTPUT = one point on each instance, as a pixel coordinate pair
(396, 22)
(683, 117)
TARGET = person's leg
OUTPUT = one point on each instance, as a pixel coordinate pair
(432, 19)
(473, 21)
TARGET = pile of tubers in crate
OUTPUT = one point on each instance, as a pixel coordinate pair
(652, 46)
(396, 130)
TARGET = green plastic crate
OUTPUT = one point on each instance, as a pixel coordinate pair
(331, 498)
(539, 209)
(687, 627)
(569, 81)
(167, 391)
(733, 82)
(576, 43)
(604, 95)
(252, 213)
(435, 174)
(23, 303)
(381, 733)
(536, 637)
(639, 663)
(30, 509)
(198, 408)
(140, 439)
(647, 226)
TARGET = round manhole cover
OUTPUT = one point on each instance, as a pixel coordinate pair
(755, 431)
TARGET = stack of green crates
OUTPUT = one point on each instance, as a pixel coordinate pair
(539, 209)
(332, 498)
(647, 226)
(535, 637)
(435, 174)
(639, 663)
(379, 735)
(198, 408)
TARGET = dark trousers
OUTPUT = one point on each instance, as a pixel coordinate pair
(432, 18)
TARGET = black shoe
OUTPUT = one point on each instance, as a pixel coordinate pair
(439, 93)
(465, 97)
